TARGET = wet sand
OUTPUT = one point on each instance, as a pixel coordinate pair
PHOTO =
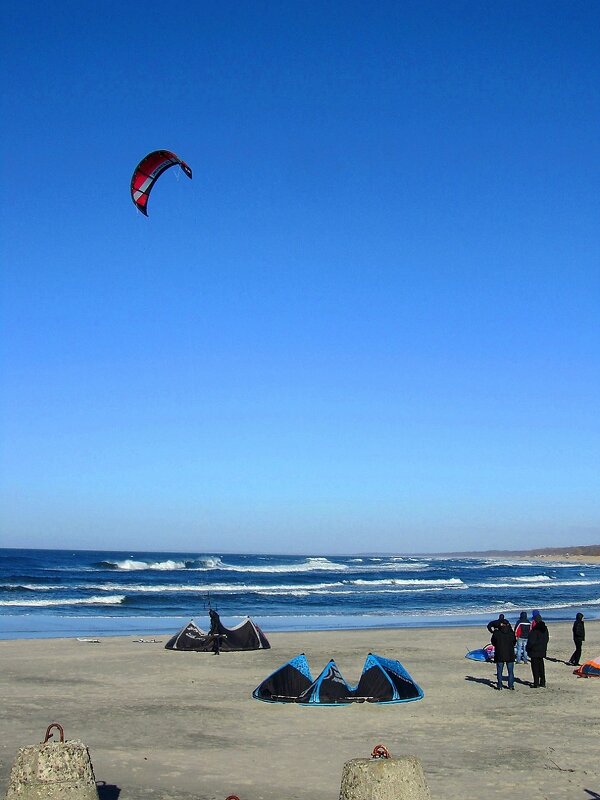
(162, 724)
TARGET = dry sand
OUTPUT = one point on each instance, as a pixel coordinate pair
(161, 724)
(573, 559)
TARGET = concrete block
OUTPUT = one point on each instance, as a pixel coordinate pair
(398, 778)
(53, 771)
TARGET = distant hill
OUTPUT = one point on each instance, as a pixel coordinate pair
(576, 550)
(581, 550)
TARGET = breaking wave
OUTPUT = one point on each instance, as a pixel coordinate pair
(314, 564)
(492, 563)
(534, 584)
(310, 564)
(234, 588)
(409, 582)
(130, 565)
(129, 585)
(215, 563)
(278, 592)
(110, 600)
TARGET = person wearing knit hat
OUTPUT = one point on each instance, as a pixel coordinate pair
(537, 646)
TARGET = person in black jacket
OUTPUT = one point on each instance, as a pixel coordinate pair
(494, 624)
(214, 632)
(504, 641)
(537, 645)
(578, 638)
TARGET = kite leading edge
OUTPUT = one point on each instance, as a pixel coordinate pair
(147, 172)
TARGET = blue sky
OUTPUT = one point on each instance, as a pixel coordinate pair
(370, 322)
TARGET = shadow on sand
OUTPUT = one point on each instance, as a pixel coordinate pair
(492, 683)
(107, 791)
(592, 795)
(484, 681)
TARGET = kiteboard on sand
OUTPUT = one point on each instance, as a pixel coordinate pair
(482, 654)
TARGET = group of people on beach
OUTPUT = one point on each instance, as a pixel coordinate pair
(528, 641)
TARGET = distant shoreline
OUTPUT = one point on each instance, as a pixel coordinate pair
(593, 557)
(576, 553)
(582, 554)
(575, 559)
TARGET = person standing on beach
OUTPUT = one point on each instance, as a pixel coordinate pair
(214, 632)
(578, 638)
(522, 629)
(537, 646)
(504, 640)
(495, 623)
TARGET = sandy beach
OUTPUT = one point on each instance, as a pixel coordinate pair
(162, 724)
(572, 559)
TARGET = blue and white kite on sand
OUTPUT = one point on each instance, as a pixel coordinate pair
(382, 680)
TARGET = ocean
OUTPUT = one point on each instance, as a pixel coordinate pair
(94, 593)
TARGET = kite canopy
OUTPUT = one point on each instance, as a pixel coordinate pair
(287, 683)
(245, 636)
(329, 689)
(591, 669)
(383, 680)
(483, 654)
(190, 637)
(147, 172)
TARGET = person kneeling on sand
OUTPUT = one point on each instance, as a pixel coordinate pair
(504, 640)
(537, 645)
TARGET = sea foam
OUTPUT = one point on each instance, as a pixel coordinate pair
(105, 600)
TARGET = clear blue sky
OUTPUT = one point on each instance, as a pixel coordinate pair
(370, 322)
